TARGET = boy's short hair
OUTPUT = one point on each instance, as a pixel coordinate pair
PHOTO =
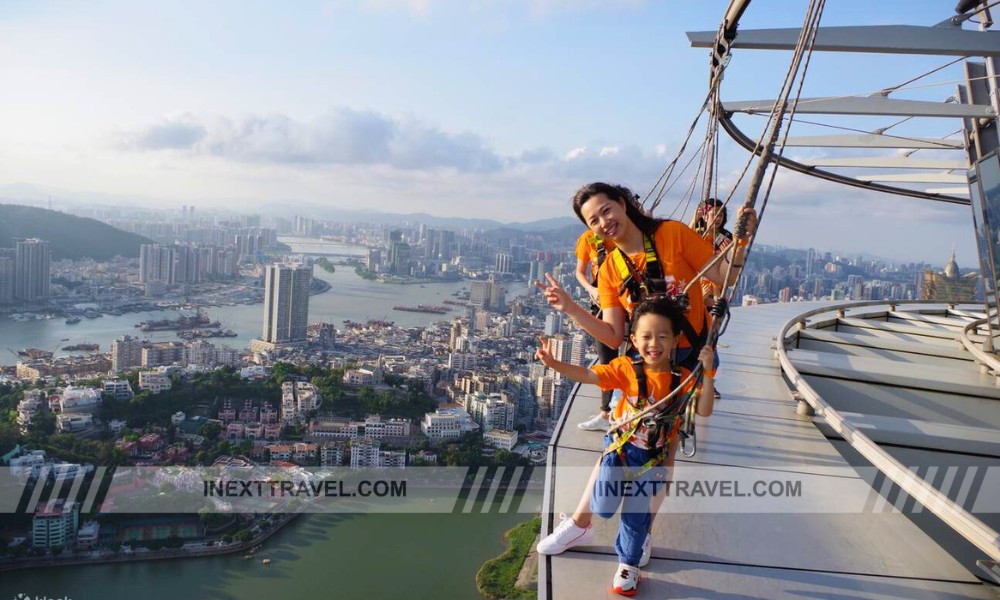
(661, 305)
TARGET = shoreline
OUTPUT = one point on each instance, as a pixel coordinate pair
(162, 554)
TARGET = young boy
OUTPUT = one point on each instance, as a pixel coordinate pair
(640, 449)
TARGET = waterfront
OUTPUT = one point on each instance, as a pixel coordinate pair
(349, 297)
(432, 556)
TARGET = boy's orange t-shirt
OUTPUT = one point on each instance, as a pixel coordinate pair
(619, 374)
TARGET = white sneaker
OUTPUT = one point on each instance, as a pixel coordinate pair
(647, 551)
(626, 581)
(596, 423)
(566, 535)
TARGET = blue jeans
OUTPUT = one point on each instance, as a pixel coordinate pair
(614, 488)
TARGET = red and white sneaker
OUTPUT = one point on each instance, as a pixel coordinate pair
(626, 581)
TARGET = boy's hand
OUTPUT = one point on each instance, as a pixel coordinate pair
(544, 352)
(707, 358)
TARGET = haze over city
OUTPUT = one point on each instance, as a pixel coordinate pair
(481, 109)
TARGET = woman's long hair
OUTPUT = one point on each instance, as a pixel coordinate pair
(646, 223)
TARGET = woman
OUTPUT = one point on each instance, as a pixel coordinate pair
(710, 223)
(591, 252)
(613, 212)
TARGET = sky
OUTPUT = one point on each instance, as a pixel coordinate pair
(474, 108)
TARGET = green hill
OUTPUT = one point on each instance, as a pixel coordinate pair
(68, 236)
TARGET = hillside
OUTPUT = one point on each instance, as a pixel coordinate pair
(68, 236)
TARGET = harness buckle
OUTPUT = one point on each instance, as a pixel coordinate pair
(685, 436)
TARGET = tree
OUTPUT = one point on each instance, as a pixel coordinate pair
(56, 550)
(210, 431)
(243, 536)
(42, 425)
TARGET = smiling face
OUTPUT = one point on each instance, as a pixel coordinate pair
(654, 338)
(605, 217)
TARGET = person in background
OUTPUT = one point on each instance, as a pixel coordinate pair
(710, 223)
(591, 252)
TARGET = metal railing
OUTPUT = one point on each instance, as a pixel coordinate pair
(965, 524)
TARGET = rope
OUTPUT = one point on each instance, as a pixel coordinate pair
(665, 176)
(804, 46)
(788, 128)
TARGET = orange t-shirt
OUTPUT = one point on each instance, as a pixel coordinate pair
(619, 374)
(682, 253)
(586, 251)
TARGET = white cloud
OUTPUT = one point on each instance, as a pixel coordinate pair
(576, 153)
(341, 136)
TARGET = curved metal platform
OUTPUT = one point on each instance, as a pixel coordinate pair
(849, 534)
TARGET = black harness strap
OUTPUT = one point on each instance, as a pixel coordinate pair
(656, 422)
(639, 287)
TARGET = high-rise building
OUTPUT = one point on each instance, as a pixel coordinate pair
(7, 262)
(456, 332)
(562, 347)
(486, 294)
(553, 323)
(55, 524)
(286, 303)
(399, 257)
(126, 353)
(31, 269)
(156, 264)
(505, 262)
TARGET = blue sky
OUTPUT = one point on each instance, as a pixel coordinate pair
(486, 108)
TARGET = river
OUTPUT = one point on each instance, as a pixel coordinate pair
(350, 297)
(364, 557)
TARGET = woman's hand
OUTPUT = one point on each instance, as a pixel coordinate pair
(555, 295)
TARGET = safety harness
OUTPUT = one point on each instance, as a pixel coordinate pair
(669, 419)
(639, 286)
(602, 254)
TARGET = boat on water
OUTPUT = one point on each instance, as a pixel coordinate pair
(198, 320)
(424, 308)
(199, 333)
(72, 320)
(82, 347)
(35, 353)
(265, 561)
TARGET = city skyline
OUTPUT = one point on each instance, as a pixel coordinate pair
(495, 110)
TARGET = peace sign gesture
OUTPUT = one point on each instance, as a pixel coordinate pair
(555, 295)
(544, 352)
